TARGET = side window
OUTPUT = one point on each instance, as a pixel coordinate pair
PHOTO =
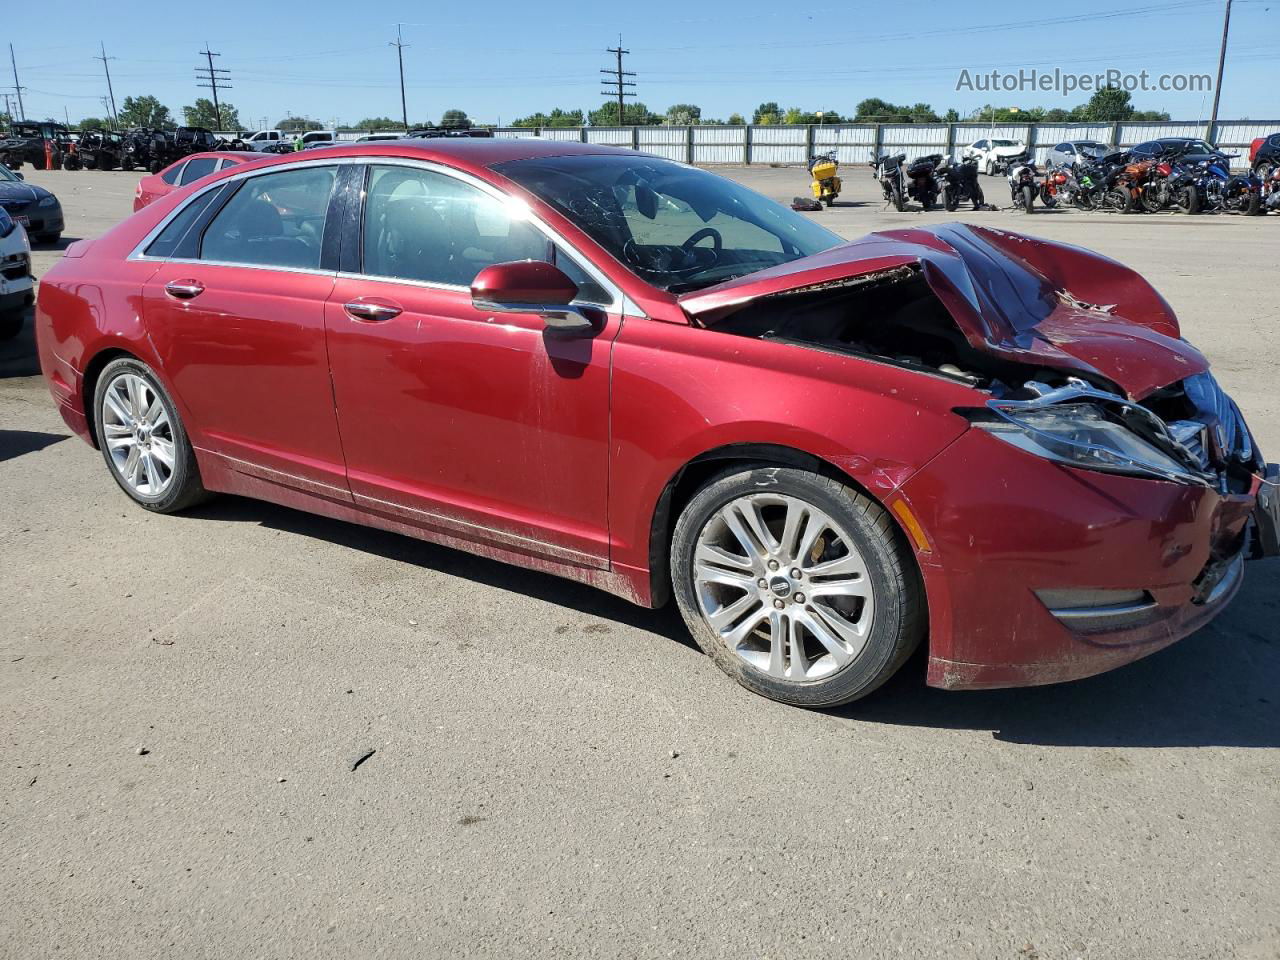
(1150, 148)
(171, 238)
(226, 163)
(198, 167)
(171, 175)
(588, 290)
(423, 225)
(274, 220)
(1063, 148)
(982, 144)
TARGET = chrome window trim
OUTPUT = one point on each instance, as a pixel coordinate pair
(621, 303)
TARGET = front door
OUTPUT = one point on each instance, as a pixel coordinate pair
(482, 426)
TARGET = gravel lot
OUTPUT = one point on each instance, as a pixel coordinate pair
(558, 773)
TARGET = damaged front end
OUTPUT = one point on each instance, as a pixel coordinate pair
(1074, 357)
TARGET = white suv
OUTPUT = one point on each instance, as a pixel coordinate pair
(15, 276)
(993, 153)
(262, 139)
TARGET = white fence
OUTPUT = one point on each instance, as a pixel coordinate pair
(858, 143)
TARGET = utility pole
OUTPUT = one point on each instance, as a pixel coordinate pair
(216, 77)
(115, 116)
(17, 87)
(1222, 61)
(399, 44)
(618, 85)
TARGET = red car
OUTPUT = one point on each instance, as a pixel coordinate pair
(645, 377)
(187, 170)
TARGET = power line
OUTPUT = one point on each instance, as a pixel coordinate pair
(618, 85)
(216, 77)
(399, 44)
(115, 116)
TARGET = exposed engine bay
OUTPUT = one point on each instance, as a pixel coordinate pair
(895, 316)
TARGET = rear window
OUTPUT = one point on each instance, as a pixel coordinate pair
(176, 230)
(198, 167)
(170, 176)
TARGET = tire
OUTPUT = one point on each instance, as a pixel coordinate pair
(1027, 199)
(70, 163)
(831, 671)
(979, 199)
(896, 195)
(989, 168)
(1190, 200)
(950, 201)
(1151, 200)
(182, 487)
(11, 324)
(154, 167)
(1253, 206)
(1263, 170)
(1118, 198)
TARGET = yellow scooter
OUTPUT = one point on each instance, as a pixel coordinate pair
(826, 185)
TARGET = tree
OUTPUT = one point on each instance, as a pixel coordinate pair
(1109, 103)
(767, 113)
(455, 120)
(202, 114)
(683, 114)
(146, 112)
(737, 119)
(556, 118)
(635, 115)
(293, 124)
(380, 123)
(94, 123)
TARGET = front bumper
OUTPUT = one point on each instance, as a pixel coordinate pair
(1006, 531)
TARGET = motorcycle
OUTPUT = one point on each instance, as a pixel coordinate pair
(922, 185)
(1231, 193)
(959, 183)
(1021, 173)
(888, 170)
(826, 184)
(1171, 184)
(1099, 184)
(1133, 178)
(1271, 190)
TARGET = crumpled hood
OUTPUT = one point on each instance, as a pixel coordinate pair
(1017, 297)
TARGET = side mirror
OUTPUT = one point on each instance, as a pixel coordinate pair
(17, 174)
(533, 286)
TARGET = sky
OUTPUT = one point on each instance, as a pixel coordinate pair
(501, 59)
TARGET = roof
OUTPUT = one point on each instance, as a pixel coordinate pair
(474, 151)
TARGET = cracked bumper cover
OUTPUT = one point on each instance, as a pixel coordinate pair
(1004, 528)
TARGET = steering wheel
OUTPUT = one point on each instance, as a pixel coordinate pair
(717, 241)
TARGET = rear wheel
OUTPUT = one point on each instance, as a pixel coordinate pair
(796, 585)
(143, 440)
(896, 195)
(1119, 199)
(1027, 199)
(1189, 200)
(949, 200)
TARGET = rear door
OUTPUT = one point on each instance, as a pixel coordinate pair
(236, 312)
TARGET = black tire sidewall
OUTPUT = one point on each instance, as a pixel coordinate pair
(899, 603)
(185, 486)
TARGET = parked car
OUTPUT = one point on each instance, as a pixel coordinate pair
(16, 287)
(1068, 152)
(34, 208)
(1264, 155)
(263, 139)
(39, 143)
(993, 154)
(187, 170)
(645, 377)
(1187, 149)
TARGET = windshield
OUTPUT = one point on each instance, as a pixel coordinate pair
(676, 227)
(1091, 148)
(1003, 143)
(1190, 146)
(6, 175)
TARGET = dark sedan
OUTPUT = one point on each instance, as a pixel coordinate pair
(34, 207)
(1191, 149)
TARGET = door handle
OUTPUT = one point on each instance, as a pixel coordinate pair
(184, 289)
(372, 311)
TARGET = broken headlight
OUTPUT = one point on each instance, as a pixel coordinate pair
(1092, 431)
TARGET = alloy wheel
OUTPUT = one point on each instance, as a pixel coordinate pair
(138, 432)
(783, 586)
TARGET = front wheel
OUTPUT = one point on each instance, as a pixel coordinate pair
(1153, 200)
(142, 439)
(1027, 199)
(949, 200)
(796, 585)
(1189, 200)
(1120, 199)
(896, 194)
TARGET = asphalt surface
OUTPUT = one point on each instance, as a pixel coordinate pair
(559, 774)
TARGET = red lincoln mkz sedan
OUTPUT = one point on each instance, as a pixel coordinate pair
(645, 377)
